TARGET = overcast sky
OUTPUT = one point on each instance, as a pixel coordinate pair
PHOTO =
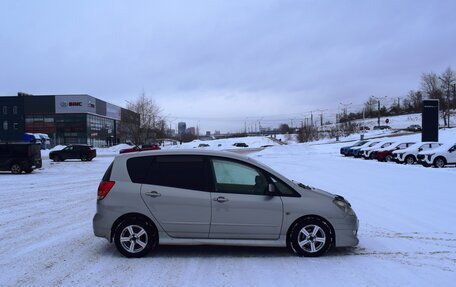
(220, 63)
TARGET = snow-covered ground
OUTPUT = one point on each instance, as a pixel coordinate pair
(407, 229)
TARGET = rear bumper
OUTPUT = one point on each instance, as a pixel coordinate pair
(101, 227)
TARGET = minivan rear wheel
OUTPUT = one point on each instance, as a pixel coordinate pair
(135, 238)
(311, 237)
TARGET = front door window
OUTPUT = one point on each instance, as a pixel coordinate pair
(233, 177)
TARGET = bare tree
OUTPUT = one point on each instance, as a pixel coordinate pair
(447, 80)
(370, 107)
(150, 119)
(431, 88)
(284, 129)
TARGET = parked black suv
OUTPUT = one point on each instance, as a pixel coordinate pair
(77, 151)
(19, 157)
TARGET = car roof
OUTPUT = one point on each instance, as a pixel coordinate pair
(418, 144)
(187, 152)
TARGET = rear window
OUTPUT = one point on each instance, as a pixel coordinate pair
(139, 167)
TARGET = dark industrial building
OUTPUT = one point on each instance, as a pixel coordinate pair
(67, 119)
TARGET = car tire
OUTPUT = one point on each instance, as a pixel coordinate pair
(388, 158)
(311, 237)
(410, 159)
(439, 162)
(57, 158)
(16, 168)
(134, 238)
(84, 157)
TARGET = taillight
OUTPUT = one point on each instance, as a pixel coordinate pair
(104, 188)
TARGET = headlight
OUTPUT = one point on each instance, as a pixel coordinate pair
(344, 205)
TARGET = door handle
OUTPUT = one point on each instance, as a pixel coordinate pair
(221, 199)
(153, 194)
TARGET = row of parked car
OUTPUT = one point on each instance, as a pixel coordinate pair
(404, 152)
(25, 157)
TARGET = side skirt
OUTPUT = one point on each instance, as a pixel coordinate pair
(165, 240)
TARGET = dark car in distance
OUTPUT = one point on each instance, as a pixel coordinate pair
(76, 151)
(240, 145)
(140, 148)
(20, 157)
(414, 128)
(382, 128)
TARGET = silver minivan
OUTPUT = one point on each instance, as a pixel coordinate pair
(201, 197)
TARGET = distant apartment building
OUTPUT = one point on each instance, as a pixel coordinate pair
(181, 128)
(190, 131)
(66, 119)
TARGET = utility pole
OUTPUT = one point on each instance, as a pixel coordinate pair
(378, 107)
(321, 119)
(245, 126)
(311, 119)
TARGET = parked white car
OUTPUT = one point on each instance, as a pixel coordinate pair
(367, 152)
(438, 157)
(409, 155)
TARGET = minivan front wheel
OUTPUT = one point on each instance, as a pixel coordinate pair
(135, 238)
(311, 237)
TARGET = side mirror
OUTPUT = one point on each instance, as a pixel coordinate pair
(271, 189)
(420, 149)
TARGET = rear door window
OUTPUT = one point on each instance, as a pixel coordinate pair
(179, 171)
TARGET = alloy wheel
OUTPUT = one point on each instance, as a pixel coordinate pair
(16, 168)
(311, 238)
(439, 163)
(133, 238)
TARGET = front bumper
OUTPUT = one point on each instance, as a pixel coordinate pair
(346, 232)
